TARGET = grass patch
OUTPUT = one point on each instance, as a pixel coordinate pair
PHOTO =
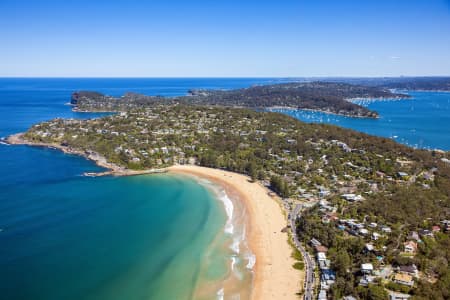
(297, 255)
(299, 265)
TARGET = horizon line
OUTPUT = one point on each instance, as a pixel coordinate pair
(217, 77)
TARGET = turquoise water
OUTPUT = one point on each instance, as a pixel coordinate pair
(421, 122)
(107, 238)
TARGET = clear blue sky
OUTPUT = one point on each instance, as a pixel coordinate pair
(222, 38)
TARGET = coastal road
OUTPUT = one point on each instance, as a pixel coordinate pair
(309, 263)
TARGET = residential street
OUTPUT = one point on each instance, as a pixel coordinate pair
(309, 263)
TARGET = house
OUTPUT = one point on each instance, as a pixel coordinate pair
(435, 228)
(352, 197)
(323, 193)
(366, 280)
(359, 225)
(321, 256)
(386, 229)
(404, 279)
(410, 247)
(375, 236)
(368, 247)
(331, 217)
(380, 174)
(322, 295)
(348, 197)
(410, 270)
(413, 235)
(315, 242)
(291, 141)
(363, 231)
(426, 233)
(324, 264)
(367, 268)
(402, 174)
(398, 296)
(446, 224)
(325, 205)
(328, 276)
(321, 248)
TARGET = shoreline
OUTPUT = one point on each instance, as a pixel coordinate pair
(351, 100)
(274, 276)
(272, 108)
(238, 279)
(99, 160)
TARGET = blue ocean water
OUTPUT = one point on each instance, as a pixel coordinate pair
(421, 122)
(64, 236)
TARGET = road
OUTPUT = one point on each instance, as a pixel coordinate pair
(309, 263)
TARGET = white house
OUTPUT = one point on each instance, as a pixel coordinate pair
(321, 256)
(367, 268)
(386, 229)
(375, 236)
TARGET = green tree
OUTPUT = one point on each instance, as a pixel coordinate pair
(377, 292)
(342, 263)
(252, 170)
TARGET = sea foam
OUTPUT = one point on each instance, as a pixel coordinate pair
(251, 261)
(220, 294)
(228, 204)
(233, 262)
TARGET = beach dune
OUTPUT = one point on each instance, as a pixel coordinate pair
(275, 278)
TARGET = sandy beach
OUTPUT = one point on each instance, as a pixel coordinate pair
(275, 278)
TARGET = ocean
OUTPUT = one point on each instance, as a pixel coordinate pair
(65, 236)
(423, 121)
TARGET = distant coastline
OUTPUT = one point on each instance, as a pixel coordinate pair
(328, 97)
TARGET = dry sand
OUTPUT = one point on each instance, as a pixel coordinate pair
(275, 278)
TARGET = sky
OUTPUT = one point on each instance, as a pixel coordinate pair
(224, 38)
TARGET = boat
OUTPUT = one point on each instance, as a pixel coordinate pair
(4, 142)
(90, 174)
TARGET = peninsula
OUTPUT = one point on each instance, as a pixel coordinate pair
(322, 96)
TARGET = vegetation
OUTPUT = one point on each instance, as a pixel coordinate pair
(299, 265)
